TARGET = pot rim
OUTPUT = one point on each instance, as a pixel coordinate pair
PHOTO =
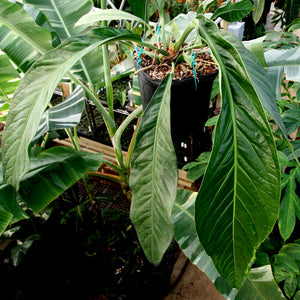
(206, 77)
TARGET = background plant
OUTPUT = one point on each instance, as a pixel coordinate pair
(225, 213)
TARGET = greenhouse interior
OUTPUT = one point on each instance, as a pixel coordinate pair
(150, 149)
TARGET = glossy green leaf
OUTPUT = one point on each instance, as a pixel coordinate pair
(290, 285)
(153, 178)
(35, 91)
(183, 219)
(256, 47)
(40, 19)
(18, 28)
(287, 214)
(196, 169)
(9, 78)
(232, 12)
(205, 5)
(140, 8)
(259, 80)
(52, 172)
(182, 21)
(63, 14)
(260, 285)
(19, 252)
(291, 119)
(258, 10)
(97, 15)
(292, 249)
(64, 115)
(286, 262)
(275, 76)
(10, 211)
(237, 205)
(287, 59)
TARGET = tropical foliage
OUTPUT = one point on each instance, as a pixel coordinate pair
(238, 202)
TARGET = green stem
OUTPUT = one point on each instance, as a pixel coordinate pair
(109, 122)
(44, 142)
(115, 167)
(185, 34)
(294, 154)
(73, 141)
(131, 146)
(106, 176)
(162, 24)
(76, 138)
(108, 81)
(117, 137)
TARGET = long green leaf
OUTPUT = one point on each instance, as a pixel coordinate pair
(256, 47)
(258, 11)
(10, 210)
(287, 59)
(35, 91)
(98, 14)
(63, 14)
(153, 178)
(260, 285)
(64, 115)
(259, 80)
(18, 28)
(238, 201)
(291, 10)
(232, 12)
(52, 172)
(287, 214)
(140, 8)
(9, 78)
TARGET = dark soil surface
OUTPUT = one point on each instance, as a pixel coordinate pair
(204, 65)
(85, 250)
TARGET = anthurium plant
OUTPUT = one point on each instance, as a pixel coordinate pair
(238, 202)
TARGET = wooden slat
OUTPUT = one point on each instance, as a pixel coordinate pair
(109, 154)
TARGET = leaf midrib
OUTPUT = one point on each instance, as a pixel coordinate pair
(45, 83)
(225, 79)
(154, 167)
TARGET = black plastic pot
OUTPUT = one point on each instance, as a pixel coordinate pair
(189, 106)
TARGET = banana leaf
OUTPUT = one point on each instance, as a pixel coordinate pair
(18, 28)
(9, 78)
(233, 12)
(97, 15)
(63, 15)
(64, 115)
(52, 172)
(288, 59)
(10, 210)
(260, 285)
(35, 91)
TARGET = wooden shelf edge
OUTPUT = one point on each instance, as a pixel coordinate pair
(109, 154)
